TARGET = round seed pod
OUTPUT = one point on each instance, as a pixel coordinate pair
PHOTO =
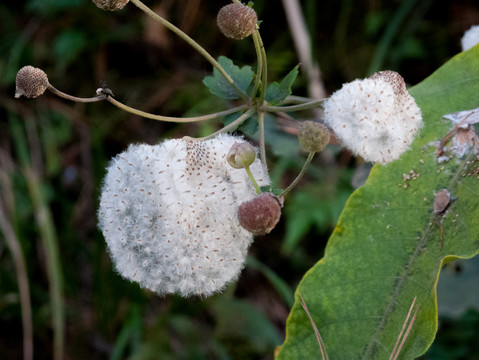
(31, 82)
(110, 5)
(241, 155)
(260, 215)
(237, 21)
(313, 136)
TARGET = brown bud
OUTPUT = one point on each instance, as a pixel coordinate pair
(237, 21)
(313, 136)
(110, 5)
(31, 82)
(392, 78)
(241, 155)
(260, 215)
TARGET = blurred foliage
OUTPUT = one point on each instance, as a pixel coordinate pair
(66, 146)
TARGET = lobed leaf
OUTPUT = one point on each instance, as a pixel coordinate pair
(218, 85)
(388, 246)
(277, 92)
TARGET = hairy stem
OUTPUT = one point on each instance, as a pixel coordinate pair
(144, 114)
(228, 127)
(253, 180)
(74, 98)
(291, 108)
(192, 43)
(262, 146)
(300, 175)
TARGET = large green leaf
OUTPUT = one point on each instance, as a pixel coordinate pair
(389, 245)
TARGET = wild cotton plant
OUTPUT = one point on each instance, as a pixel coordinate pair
(178, 217)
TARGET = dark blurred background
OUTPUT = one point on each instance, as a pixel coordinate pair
(53, 155)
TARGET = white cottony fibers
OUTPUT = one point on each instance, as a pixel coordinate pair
(375, 118)
(470, 38)
(169, 215)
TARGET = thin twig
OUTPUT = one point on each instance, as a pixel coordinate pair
(74, 98)
(392, 356)
(290, 108)
(300, 175)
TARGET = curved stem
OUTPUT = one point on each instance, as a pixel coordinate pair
(228, 127)
(294, 99)
(193, 43)
(300, 175)
(74, 98)
(264, 77)
(253, 180)
(259, 57)
(305, 106)
(262, 146)
(171, 118)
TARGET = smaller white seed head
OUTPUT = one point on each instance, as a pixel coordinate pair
(30, 82)
(376, 118)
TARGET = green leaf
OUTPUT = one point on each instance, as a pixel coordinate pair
(277, 92)
(386, 249)
(218, 85)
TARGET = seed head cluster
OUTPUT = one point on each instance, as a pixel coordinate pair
(169, 215)
(470, 38)
(375, 118)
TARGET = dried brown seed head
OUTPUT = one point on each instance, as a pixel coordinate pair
(237, 21)
(31, 82)
(313, 136)
(260, 215)
(110, 5)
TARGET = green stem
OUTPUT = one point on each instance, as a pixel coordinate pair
(192, 43)
(300, 175)
(259, 57)
(291, 108)
(262, 146)
(228, 127)
(74, 98)
(144, 114)
(253, 181)
(264, 77)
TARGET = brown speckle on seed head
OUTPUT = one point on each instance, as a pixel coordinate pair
(110, 5)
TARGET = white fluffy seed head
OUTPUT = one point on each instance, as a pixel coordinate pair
(470, 38)
(169, 215)
(376, 118)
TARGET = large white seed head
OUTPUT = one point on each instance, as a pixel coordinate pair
(169, 215)
(375, 118)
(470, 38)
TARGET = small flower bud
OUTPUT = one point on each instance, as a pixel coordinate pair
(313, 136)
(237, 21)
(110, 5)
(31, 82)
(241, 155)
(260, 215)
